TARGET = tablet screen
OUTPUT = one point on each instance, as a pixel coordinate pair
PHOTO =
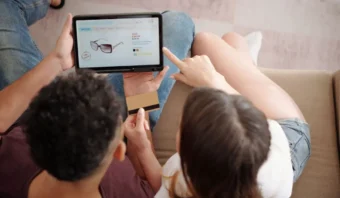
(118, 42)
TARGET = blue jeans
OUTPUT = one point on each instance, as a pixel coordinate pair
(298, 135)
(19, 54)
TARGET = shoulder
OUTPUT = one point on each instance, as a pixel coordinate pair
(14, 148)
(121, 180)
(172, 168)
(275, 176)
(16, 168)
(279, 141)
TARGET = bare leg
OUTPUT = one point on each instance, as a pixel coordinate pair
(237, 42)
(230, 58)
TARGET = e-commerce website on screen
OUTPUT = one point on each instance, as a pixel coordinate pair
(118, 42)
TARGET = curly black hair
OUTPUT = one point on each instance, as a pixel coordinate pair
(71, 123)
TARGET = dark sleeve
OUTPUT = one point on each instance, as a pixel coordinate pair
(16, 167)
(121, 180)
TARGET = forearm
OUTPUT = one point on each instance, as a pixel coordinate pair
(223, 85)
(15, 98)
(228, 89)
(132, 152)
(151, 168)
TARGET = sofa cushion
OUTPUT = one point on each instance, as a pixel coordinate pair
(313, 93)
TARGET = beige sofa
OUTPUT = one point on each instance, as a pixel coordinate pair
(317, 93)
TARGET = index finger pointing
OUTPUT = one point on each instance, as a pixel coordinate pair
(173, 58)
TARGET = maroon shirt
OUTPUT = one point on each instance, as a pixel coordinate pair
(17, 170)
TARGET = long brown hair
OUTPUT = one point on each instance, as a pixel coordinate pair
(224, 140)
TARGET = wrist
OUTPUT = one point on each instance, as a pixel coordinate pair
(56, 61)
(144, 150)
(219, 83)
(140, 145)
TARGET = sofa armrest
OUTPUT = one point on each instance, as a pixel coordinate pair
(336, 87)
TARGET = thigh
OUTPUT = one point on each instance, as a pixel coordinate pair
(18, 52)
(178, 35)
(32, 10)
(246, 78)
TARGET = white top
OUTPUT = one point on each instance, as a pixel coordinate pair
(275, 177)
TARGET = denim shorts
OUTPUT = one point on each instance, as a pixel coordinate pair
(298, 135)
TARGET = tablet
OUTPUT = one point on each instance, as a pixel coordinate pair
(119, 42)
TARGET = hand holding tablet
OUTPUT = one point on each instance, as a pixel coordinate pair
(126, 43)
(118, 43)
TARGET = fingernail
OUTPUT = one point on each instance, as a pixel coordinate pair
(147, 126)
(140, 111)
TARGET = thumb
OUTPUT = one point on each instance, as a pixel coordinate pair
(67, 29)
(159, 78)
(140, 119)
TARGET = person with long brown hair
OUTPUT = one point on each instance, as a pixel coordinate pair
(241, 135)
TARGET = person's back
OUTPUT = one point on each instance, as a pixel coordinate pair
(74, 135)
(229, 149)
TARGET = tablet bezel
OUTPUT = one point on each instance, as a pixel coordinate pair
(115, 69)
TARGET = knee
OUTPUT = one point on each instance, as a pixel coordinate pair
(178, 30)
(178, 20)
(232, 36)
(203, 37)
(177, 17)
(201, 40)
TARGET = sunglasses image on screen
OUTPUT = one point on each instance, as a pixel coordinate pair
(105, 48)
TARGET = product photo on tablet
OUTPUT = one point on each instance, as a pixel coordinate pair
(119, 42)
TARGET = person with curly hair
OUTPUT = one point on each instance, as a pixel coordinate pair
(69, 142)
